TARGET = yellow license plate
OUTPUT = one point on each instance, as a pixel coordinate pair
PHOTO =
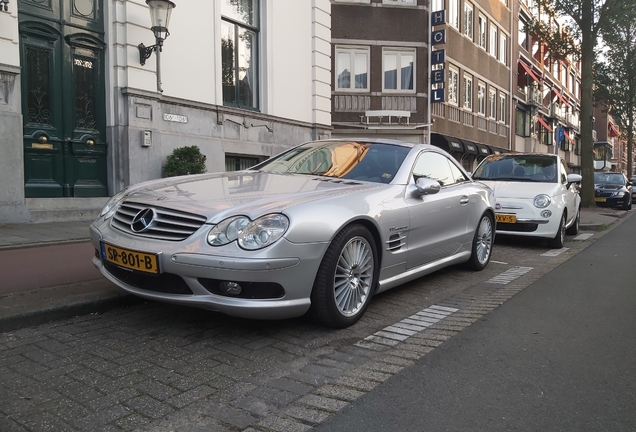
(600, 199)
(133, 260)
(506, 218)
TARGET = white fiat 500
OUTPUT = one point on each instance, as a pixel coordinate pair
(535, 196)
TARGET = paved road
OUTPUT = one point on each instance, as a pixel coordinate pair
(156, 367)
(559, 356)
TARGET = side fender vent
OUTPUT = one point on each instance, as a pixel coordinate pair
(395, 242)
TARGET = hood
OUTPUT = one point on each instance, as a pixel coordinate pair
(250, 193)
(513, 189)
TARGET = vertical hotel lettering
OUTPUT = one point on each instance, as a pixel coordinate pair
(438, 37)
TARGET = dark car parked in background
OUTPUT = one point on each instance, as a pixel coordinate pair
(612, 189)
(633, 180)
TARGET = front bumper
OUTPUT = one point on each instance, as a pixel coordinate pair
(188, 267)
(529, 221)
(612, 202)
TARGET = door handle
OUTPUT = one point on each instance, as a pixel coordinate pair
(464, 200)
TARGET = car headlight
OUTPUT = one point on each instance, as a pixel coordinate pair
(251, 235)
(542, 201)
(112, 205)
(618, 194)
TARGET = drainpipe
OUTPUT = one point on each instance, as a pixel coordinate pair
(428, 74)
(512, 108)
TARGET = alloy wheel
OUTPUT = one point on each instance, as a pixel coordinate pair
(354, 276)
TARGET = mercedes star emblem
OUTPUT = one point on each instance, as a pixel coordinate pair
(143, 220)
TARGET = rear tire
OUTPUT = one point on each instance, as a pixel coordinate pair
(482, 243)
(346, 278)
(574, 229)
(559, 239)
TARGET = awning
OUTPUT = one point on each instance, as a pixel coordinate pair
(448, 143)
(471, 147)
(544, 123)
(498, 151)
(560, 96)
(529, 72)
(613, 130)
(568, 137)
(483, 149)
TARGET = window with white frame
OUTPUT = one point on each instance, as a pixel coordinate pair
(571, 82)
(468, 19)
(453, 83)
(483, 23)
(437, 5)
(468, 91)
(453, 13)
(555, 69)
(564, 75)
(523, 37)
(239, 53)
(492, 47)
(492, 103)
(481, 98)
(503, 48)
(352, 69)
(577, 86)
(398, 67)
(502, 107)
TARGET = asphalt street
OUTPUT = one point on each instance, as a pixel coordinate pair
(558, 356)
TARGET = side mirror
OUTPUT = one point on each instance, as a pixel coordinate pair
(574, 178)
(427, 186)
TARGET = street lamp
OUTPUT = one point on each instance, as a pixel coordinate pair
(160, 17)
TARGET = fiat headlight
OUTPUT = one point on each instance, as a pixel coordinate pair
(251, 235)
(542, 201)
(112, 205)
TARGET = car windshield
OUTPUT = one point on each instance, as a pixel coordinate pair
(521, 168)
(351, 160)
(609, 178)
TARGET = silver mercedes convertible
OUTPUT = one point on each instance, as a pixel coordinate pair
(318, 229)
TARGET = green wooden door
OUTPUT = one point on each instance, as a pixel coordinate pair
(63, 102)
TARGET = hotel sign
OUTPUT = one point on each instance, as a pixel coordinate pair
(437, 37)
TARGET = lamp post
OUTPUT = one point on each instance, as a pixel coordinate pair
(160, 17)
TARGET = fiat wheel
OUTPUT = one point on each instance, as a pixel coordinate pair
(574, 229)
(559, 239)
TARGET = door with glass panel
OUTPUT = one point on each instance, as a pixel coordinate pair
(63, 102)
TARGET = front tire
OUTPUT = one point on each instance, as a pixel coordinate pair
(559, 239)
(346, 278)
(482, 243)
(574, 229)
(628, 205)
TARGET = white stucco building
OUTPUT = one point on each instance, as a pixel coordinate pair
(82, 118)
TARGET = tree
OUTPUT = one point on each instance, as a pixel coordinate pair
(184, 161)
(615, 78)
(587, 19)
